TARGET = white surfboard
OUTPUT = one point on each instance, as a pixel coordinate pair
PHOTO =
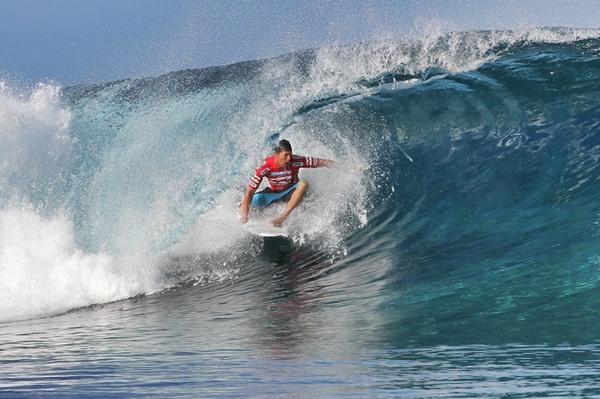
(266, 229)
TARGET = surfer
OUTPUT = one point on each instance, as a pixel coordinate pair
(281, 170)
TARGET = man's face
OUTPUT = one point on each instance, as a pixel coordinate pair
(283, 158)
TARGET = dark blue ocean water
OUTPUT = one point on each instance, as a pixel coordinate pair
(452, 252)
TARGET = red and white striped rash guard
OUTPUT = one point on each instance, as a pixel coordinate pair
(282, 178)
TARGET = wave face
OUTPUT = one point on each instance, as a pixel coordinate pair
(463, 207)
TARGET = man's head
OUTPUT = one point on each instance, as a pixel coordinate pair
(283, 153)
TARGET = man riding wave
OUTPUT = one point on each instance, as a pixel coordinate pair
(281, 170)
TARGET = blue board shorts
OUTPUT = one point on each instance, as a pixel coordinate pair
(267, 197)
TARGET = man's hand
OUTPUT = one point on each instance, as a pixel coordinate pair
(245, 205)
(326, 163)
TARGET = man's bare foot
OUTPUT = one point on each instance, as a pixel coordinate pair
(277, 222)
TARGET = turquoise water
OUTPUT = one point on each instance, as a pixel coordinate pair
(453, 252)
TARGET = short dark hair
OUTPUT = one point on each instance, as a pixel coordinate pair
(283, 145)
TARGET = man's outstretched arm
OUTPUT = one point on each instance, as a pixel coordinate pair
(245, 206)
(325, 163)
(313, 162)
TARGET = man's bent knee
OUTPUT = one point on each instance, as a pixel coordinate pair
(303, 185)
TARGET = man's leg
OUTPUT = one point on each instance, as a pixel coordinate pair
(295, 199)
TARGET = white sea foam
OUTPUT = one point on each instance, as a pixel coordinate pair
(42, 271)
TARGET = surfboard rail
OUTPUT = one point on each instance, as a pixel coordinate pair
(266, 229)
